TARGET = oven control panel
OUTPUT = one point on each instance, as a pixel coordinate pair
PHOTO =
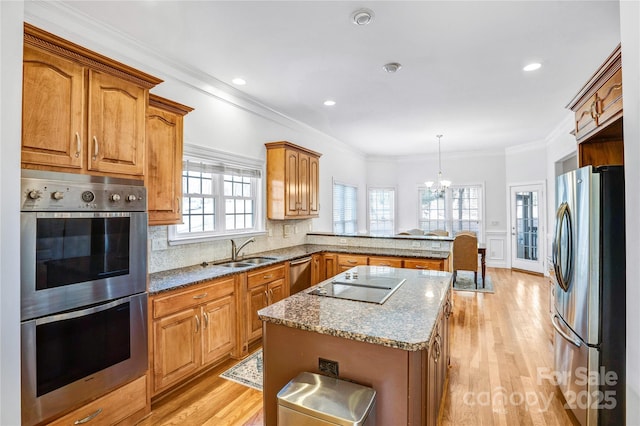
(53, 193)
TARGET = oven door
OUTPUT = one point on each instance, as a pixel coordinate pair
(77, 356)
(70, 260)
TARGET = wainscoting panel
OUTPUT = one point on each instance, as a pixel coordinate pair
(497, 249)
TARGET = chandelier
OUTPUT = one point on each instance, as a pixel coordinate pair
(440, 186)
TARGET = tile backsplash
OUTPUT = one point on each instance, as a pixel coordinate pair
(163, 257)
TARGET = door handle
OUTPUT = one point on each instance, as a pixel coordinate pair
(206, 319)
(78, 145)
(95, 148)
(197, 324)
(577, 343)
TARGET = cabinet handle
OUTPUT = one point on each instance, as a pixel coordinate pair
(270, 296)
(266, 277)
(95, 148)
(78, 145)
(352, 261)
(206, 319)
(420, 267)
(200, 296)
(88, 418)
(197, 324)
(266, 297)
(178, 204)
(384, 264)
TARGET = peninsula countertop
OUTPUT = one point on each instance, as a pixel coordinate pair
(183, 277)
(404, 321)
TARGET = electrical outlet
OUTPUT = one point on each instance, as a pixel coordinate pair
(286, 230)
(270, 232)
(342, 241)
(436, 245)
(328, 367)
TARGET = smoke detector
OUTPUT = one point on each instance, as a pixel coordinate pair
(391, 67)
(362, 16)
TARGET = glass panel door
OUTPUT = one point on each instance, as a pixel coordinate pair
(526, 227)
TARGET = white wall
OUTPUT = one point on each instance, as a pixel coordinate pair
(10, 119)
(630, 36)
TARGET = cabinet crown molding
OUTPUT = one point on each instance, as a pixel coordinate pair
(285, 144)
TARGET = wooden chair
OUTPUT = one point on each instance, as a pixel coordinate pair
(465, 255)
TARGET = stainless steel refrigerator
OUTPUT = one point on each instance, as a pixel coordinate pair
(589, 318)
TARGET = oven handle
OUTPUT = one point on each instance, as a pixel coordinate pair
(570, 339)
(79, 215)
(83, 312)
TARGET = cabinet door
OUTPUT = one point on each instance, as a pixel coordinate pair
(610, 99)
(314, 186)
(218, 329)
(52, 110)
(348, 261)
(176, 347)
(303, 184)
(277, 291)
(316, 269)
(257, 300)
(164, 166)
(116, 125)
(291, 182)
(330, 265)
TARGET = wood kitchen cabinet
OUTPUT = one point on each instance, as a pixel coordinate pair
(163, 176)
(192, 329)
(598, 115)
(264, 287)
(394, 262)
(316, 269)
(329, 265)
(425, 263)
(348, 261)
(293, 174)
(82, 112)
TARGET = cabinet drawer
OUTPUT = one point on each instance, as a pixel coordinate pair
(394, 262)
(179, 300)
(111, 408)
(351, 260)
(266, 275)
(610, 98)
(433, 264)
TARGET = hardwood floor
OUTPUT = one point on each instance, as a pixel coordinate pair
(501, 346)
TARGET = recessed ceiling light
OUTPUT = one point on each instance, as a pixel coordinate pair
(362, 16)
(329, 102)
(391, 67)
(239, 81)
(532, 66)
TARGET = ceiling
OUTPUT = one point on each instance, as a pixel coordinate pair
(461, 72)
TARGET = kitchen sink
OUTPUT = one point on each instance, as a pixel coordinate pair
(242, 264)
(258, 260)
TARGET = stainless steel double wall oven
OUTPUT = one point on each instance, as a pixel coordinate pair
(83, 289)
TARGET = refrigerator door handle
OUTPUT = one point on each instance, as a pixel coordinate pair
(563, 215)
(568, 338)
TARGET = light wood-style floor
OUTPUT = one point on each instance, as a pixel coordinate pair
(501, 348)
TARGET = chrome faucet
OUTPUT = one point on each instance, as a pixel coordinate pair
(235, 251)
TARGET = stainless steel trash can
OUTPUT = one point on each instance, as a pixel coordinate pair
(312, 400)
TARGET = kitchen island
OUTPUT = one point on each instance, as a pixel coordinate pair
(399, 347)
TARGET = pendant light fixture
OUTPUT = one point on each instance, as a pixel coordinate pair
(440, 186)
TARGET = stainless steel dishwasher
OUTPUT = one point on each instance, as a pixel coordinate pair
(299, 274)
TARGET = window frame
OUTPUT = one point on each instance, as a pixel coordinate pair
(231, 161)
(333, 207)
(448, 220)
(394, 209)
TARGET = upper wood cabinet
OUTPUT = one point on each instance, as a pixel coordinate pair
(82, 112)
(163, 176)
(598, 115)
(293, 175)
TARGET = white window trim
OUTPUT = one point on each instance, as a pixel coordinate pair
(205, 154)
(395, 205)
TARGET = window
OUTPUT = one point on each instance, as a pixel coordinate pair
(220, 198)
(344, 208)
(459, 208)
(381, 210)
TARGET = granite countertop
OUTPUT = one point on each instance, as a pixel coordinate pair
(386, 237)
(183, 277)
(405, 321)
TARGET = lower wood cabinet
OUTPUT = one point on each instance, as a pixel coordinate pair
(264, 287)
(316, 269)
(432, 264)
(394, 262)
(127, 403)
(348, 261)
(437, 364)
(192, 329)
